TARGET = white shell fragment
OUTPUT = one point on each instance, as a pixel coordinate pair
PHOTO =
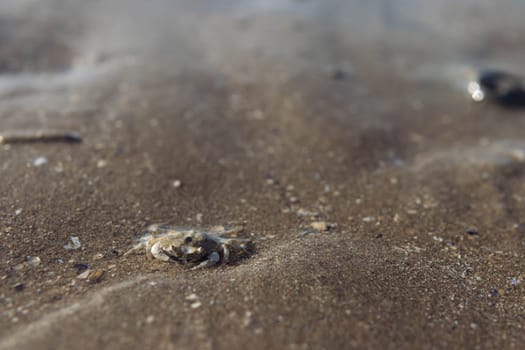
(74, 244)
(39, 161)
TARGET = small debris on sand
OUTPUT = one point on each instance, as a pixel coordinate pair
(192, 297)
(97, 256)
(177, 184)
(198, 217)
(39, 161)
(74, 244)
(29, 136)
(102, 163)
(34, 261)
(196, 305)
(472, 232)
(301, 212)
(322, 226)
(319, 226)
(81, 267)
(92, 276)
(503, 88)
(518, 155)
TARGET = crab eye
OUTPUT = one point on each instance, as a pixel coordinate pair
(187, 240)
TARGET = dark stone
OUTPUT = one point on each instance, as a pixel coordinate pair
(81, 267)
(503, 88)
(472, 232)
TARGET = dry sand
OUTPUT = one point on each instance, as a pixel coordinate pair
(273, 115)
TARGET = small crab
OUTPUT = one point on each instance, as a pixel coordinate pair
(190, 245)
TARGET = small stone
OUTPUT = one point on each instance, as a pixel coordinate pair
(19, 287)
(307, 232)
(472, 232)
(192, 297)
(39, 161)
(84, 275)
(102, 163)
(97, 256)
(150, 319)
(517, 155)
(177, 184)
(18, 211)
(34, 261)
(293, 200)
(92, 276)
(319, 226)
(74, 244)
(18, 267)
(301, 212)
(198, 217)
(196, 305)
(81, 267)
(95, 276)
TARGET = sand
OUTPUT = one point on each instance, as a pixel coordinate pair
(272, 116)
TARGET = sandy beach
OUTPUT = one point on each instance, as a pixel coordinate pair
(275, 116)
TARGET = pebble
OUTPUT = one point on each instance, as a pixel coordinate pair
(98, 256)
(293, 200)
(150, 319)
(199, 217)
(92, 276)
(517, 155)
(19, 287)
(177, 184)
(84, 275)
(319, 226)
(74, 244)
(81, 267)
(96, 276)
(196, 305)
(18, 211)
(102, 163)
(308, 232)
(34, 261)
(18, 267)
(301, 212)
(39, 161)
(501, 87)
(192, 297)
(472, 232)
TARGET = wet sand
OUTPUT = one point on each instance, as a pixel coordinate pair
(272, 116)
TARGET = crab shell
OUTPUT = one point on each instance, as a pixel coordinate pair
(192, 247)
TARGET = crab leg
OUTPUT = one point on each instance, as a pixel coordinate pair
(212, 260)
(134, 249)
(225, 253)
